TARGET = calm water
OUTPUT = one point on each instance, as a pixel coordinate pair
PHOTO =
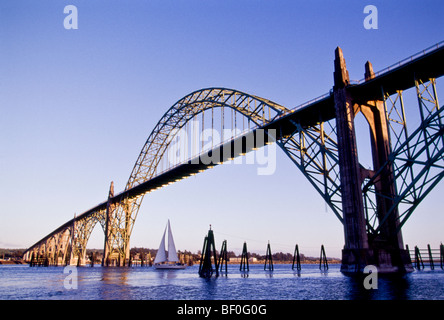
(23, 282)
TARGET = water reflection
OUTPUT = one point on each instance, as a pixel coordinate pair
(283, 283)
(209, 288)
(389, 287)
(111, 275)
(297, 273)
(114, 283)
(165, 274)
(395, 286)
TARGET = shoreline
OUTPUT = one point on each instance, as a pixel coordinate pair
(11, 262)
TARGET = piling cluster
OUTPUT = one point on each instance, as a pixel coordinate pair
(209, 255)
(419, 263)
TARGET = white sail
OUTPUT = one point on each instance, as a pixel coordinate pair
(161, 254)
(172, 254)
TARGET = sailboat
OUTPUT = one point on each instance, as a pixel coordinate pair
(172, 261)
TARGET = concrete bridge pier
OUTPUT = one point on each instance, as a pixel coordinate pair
(385, 249)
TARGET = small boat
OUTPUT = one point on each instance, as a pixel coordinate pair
(172, 261)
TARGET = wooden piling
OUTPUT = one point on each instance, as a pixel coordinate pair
(323, 264)
(432, 265)
(296, 258)
(223, 256)
(268, 258)
(441, 255)
(418, 259)
(244, 259)
(206, 268)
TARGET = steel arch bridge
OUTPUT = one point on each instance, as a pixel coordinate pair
(318, 136)
(257, 110)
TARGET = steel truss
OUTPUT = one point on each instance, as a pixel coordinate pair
(55, 246)
(68, 245)
(314, 151)
(416, 159)
(82, 229)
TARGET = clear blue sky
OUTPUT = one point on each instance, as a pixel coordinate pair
(78, 105)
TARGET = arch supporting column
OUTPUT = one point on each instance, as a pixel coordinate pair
(363, 247)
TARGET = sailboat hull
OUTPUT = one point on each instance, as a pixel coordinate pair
(169, 266)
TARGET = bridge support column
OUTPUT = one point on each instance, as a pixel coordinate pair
(72, 241)
(65, 245)
(118, 227)
(385, 249)
(108, 218)
(356, 253)
(387, 245)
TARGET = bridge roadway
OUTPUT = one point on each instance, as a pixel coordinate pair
(400, 76)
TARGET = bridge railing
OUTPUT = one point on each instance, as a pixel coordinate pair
(309, 102)
(402, 62)
(379, 73)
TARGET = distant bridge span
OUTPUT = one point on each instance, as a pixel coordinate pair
(318, 136)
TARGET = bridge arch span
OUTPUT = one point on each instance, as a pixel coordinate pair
(258, 110)
(120, 219)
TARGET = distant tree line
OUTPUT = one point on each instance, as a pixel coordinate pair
(11, 253)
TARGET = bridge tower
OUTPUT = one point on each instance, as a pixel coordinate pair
(385, 249)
